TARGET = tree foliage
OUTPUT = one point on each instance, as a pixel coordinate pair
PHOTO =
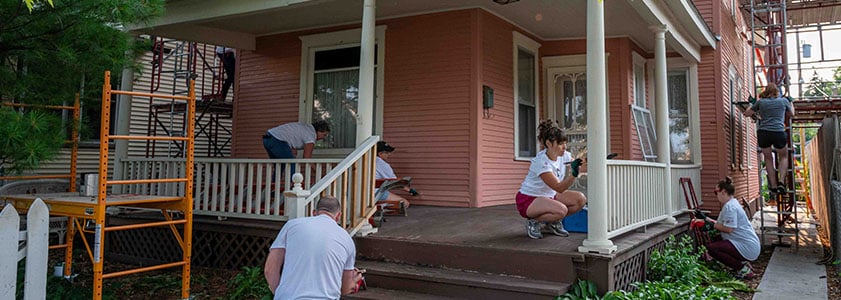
(52, 49)
(819, 87)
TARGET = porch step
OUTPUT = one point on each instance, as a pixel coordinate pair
(545, 265)
(373, 293)
(456, 283)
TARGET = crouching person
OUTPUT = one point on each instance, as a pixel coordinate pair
(739, 242)
(544, 197)
(316, 256)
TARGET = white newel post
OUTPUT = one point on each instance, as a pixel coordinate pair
(596, 139)
(365, 105)
(661, 98)
(293, 205)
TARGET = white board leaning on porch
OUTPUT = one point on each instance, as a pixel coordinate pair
(35, 251)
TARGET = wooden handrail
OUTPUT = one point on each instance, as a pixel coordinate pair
(334, 174)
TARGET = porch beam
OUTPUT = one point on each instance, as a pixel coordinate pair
(182, 12)
(204, 34)
(652, 12)
(365, 105)
(597, 240)
(661, 98)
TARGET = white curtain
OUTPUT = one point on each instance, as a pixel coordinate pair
(336, 95)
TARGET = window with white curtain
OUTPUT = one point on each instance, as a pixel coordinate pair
(330, 85)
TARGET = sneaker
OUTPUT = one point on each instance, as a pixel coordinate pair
(745, 272)
(533, 229)
(557, 228)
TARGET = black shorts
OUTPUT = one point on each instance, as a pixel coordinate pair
(765, 139)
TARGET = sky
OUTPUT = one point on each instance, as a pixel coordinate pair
(822, 54)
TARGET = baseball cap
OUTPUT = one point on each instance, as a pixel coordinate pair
(382, 146)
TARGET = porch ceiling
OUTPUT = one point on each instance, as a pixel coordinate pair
(238, 23)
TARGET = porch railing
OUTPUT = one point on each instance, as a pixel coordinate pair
(351, 181)
(693, 172)
(635, 195)
(224, 187)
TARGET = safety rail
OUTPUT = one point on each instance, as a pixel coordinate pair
(227, 187)
(73, 141)
(351, 181)
(635, 195)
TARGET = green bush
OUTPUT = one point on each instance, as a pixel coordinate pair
(678, 261)
(249, 284)
(670, 290)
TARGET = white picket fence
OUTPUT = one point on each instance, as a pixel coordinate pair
(36, 246)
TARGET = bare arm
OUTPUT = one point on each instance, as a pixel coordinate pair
(308, 147)
(349, 280)
(556, 184)
(749, 112)
(272, 269)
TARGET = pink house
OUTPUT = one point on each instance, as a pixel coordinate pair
(458, 87)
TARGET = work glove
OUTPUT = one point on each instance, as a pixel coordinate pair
(708, 226)
(751, 100)
(574, 165)
(700, 215)
(413, 192)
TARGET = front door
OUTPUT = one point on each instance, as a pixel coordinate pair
(568, 92)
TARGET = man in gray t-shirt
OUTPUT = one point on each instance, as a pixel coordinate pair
(771, 132)
(284, 141)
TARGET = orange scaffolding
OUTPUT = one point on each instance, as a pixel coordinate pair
(73, 141)
(80, 209)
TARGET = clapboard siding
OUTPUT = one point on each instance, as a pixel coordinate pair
(88, 162)
(714, 91)
(426, 99)
(427, 104)
(500, 174)
(268, 90)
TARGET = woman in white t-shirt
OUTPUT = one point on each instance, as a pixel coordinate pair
(543, 197)
(739, 243)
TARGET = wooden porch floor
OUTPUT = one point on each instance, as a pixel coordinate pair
(496, 227)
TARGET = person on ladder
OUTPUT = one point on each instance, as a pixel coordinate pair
(771, 132)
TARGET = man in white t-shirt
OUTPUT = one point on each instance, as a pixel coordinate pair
(284, 141)
(316, 256)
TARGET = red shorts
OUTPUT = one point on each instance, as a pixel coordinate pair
(523, 202)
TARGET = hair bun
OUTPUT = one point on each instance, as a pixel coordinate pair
(728, 180)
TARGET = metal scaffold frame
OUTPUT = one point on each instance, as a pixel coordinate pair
(184, 58)
(87, 215)
(770, 23)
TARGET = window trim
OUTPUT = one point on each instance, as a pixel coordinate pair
(676, 64)
(522, 42)
(686, 72)
(334, 40)
(639, 61)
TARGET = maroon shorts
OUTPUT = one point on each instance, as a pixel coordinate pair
(523, 202)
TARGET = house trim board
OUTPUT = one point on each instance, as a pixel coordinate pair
(525, 43)
(476, 81)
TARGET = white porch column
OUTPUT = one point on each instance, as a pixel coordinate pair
(596, 139)
(661, 98)
(365, 105)
(123, 120)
